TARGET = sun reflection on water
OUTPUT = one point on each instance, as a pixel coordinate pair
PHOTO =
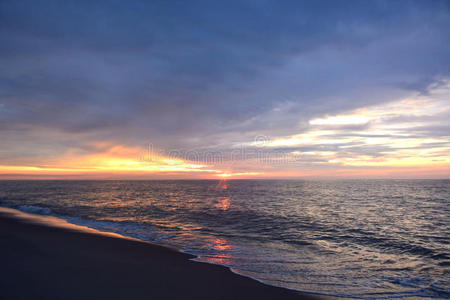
(223, 204)
(221, 244)
(222, 249)
(222, 185)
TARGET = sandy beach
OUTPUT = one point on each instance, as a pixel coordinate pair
(47, 258)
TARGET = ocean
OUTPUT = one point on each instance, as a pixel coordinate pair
(370, 239)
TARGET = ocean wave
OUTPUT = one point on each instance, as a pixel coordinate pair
(34, 209)
(310, 239)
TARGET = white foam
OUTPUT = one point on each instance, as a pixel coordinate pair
(35, 210)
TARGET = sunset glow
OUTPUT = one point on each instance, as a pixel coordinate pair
(346, 102)
(299, 149)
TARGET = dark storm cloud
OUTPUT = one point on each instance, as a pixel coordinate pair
(206, 72)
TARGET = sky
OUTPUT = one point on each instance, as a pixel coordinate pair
(224, 89)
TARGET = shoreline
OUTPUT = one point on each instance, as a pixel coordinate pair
(52, 257)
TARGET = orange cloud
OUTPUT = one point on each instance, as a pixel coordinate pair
(116, 160)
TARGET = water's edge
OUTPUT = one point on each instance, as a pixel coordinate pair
(44, 217)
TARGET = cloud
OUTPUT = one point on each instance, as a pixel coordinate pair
(400, 133)
(203, 74)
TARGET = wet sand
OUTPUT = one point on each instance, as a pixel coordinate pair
(47, 258)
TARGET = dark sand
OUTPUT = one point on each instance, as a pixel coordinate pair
(39, 261)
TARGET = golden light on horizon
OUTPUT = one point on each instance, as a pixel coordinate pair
(239, 174)
(380, 136)
(387, 132)
(117, 159)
